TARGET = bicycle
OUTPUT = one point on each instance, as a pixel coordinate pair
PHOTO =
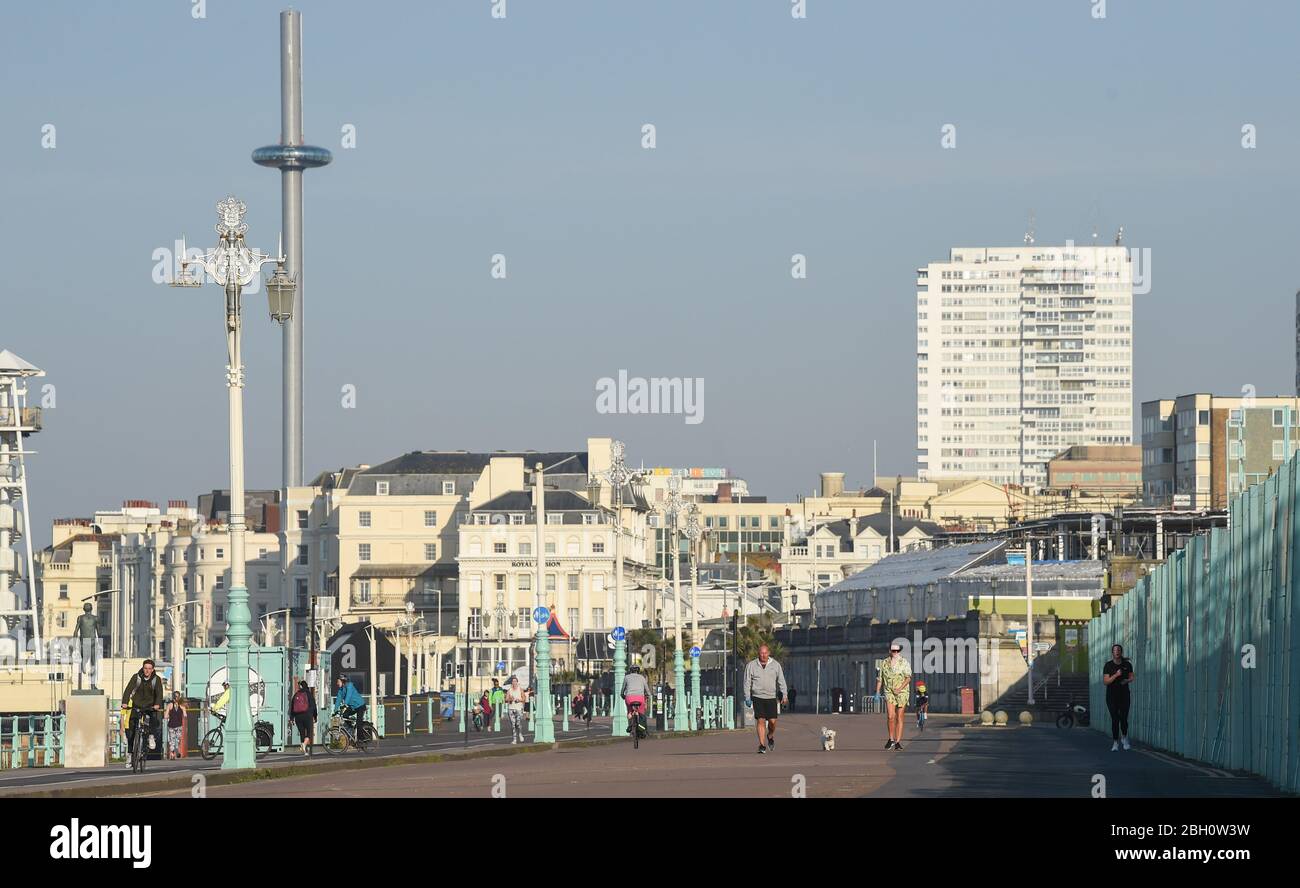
(214, 740)
(139, 748)
(638, 726)
(1075, 713)
(343, 733)
(921, 716)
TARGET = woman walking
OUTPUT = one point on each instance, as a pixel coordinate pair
(515, 699)
(1117, 675)
(895, 676)
(175, 725)
(303, 710)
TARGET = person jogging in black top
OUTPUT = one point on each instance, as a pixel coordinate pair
(1117, 675)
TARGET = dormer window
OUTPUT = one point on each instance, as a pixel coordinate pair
(449, 488)
(381, 488)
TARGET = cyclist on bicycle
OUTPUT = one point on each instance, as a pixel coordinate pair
(635, 692)
(349, 702)
(922, 702)
(144, 696)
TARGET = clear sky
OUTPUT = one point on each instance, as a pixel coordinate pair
(522, 136)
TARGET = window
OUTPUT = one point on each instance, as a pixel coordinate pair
(220, 583)
(63, 619)
(363, 591)
(523, 617)
(363, 518)
(185, 584)
(573, 582)
(449, 488)
(597, 618)
(302, 554)
(475, 622)
(221, 553)
(773, 522)
(499, 548)
(430, 551)
(554, 518)
(219, 613)
(573, 620)
(1278, 420)
(572, 546)
(525, 582)
(63, 591)
(1279, 452)
(598, 547)
(525, 547)
(430, 519)
(550, 547)
(302, 519)
(1203, 417)
(588, 518)
(363, 551)
(1234, 416)
(550, 582)
(261, 552)
(516, 519)
(597, 583)
(430, 587)
(500, 582)
(381, 488)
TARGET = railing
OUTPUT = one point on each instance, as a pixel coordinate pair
(31, 741)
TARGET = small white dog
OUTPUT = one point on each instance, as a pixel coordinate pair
(828, 739)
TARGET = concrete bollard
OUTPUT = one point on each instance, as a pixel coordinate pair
(1000, 718)
(1026, 718)
(986, 718)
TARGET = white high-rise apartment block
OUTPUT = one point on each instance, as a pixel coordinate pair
(1021, 352)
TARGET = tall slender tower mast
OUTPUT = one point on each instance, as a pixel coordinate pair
(18, 610)
(291, 157)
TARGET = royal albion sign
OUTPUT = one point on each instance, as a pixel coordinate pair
(532, 562)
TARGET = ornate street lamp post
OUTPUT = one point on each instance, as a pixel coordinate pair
(674, 506)
(618, 475)
(692, 533)
(233, 265)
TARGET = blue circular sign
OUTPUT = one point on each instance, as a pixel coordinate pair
(541, 615)
(619, 633)
(501, 666)
(695, 651)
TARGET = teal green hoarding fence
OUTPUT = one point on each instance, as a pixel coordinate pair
(1214, 635)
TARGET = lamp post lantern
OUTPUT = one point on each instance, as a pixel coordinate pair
(233, 265)
(692, 533)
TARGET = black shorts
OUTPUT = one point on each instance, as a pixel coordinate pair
(765, 707)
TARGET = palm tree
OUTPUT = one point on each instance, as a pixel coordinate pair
(665, 645)
(756, 632)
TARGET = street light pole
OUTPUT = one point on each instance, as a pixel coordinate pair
(543, 726)
(232, 265)
(692, 537)
(618, 475)
(672, 508)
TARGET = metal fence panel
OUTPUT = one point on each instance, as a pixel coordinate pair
(1213, 634)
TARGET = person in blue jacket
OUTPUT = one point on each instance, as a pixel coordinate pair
(348, 701)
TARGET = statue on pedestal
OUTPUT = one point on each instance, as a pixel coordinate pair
(86, 632)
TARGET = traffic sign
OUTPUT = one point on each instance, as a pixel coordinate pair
(541, 615)
(695, 651)
(619, 633)
(501, 665)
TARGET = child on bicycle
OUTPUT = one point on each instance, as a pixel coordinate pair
(922, 702)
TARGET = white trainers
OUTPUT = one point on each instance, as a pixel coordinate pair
(1114, 747)
(1124, 741)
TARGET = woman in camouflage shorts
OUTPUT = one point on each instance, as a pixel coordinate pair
(895, 676)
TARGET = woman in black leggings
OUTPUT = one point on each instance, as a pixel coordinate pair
(1117, 676)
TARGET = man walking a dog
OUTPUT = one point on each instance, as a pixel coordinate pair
(764, 685)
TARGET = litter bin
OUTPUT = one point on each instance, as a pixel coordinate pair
(967, 701)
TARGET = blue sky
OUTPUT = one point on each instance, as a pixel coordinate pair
(521, 136)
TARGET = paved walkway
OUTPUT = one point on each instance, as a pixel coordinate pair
(949, 760)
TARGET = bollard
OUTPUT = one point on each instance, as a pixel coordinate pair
(428, 710)
(461, 697)
(564, 726)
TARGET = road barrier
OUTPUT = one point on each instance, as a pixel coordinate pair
(31, 741)
(1214, 638)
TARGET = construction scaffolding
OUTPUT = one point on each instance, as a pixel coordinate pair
(1213, 636)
